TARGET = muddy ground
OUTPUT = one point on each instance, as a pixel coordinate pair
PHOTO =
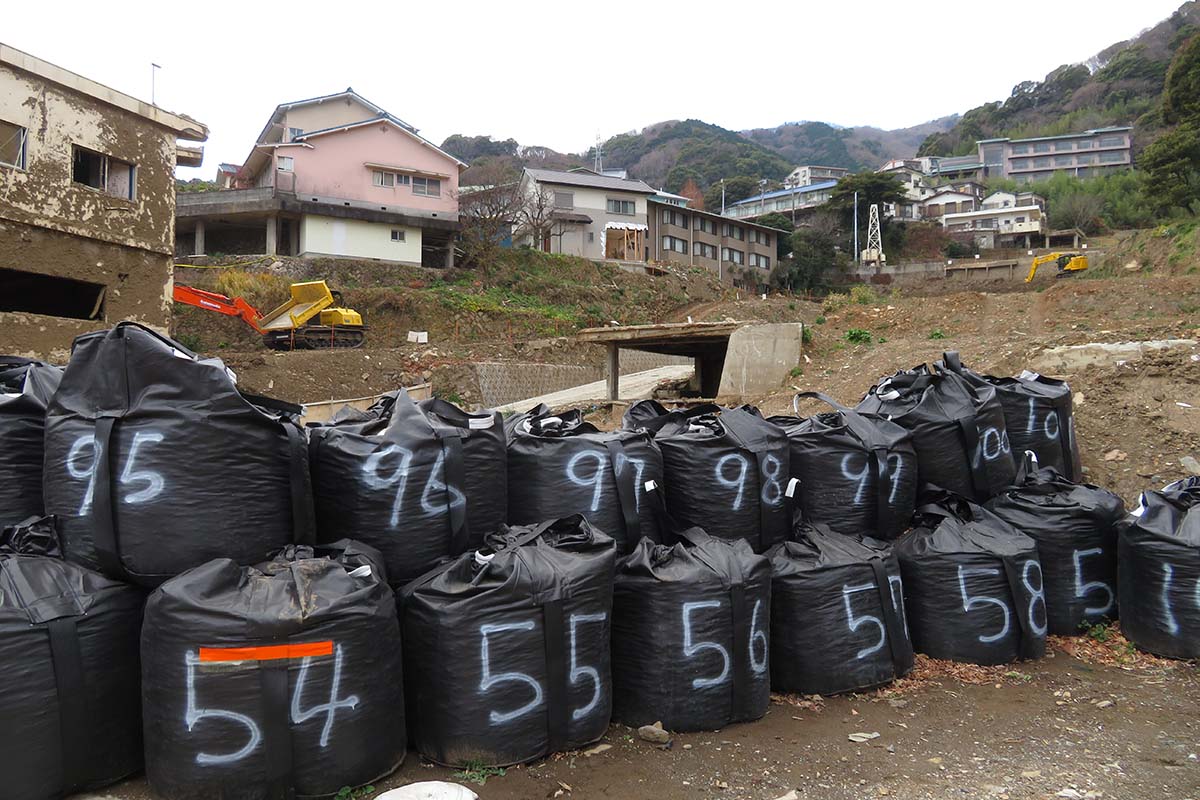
(1068, 726)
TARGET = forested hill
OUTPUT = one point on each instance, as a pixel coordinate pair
(1120, 85)
(853, 148)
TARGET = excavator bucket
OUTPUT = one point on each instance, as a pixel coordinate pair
(308, 299)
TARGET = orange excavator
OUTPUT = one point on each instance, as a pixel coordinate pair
(311, 318)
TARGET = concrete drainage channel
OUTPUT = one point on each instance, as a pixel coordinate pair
(1071, 358)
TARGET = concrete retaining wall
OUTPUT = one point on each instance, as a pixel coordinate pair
(506, 382)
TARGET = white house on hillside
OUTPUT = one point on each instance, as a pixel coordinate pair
(590, 215)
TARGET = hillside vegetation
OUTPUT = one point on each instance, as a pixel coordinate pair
(1121, 85)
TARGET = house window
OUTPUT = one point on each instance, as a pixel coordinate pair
(1084, 144)
(672, 217)
(430, 187)
(1061, 146)
(760, 237)
(1020, 149)
(1063, 161)
(564, 199)
(1020, 220)
(1041, 147)
(760, 261)
(591, 236)
(626, 207)
(286, 163)
(104, 173)
(397, 235)
(733, 256)
(1112, 157)
(1112, 141)
(705, 250)
(675, 244)
(293, 133)
(12, 144)
(385, 179)
(706, 225)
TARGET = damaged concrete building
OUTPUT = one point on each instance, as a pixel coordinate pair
(87, 205)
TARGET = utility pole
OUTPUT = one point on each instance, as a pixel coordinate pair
(722, 197)
(762, 196)
(856, 250)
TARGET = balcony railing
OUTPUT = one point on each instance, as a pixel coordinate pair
(186, 199)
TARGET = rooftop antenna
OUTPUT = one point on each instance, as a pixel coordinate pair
(154, 68)
(598, 161)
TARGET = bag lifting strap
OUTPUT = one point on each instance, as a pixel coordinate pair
(1027, 646)
(554, 633)
(454, 475)
(624, 478)
(737, 424)
(277, 733)
(740, 611)
(1062, 407)
(968, 430)
(304, 527)
(896, 634)
(104, 528)
(73, 717)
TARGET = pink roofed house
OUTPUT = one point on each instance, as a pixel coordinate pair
(332, 176)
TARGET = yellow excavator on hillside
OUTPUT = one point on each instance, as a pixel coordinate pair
(1067, 264)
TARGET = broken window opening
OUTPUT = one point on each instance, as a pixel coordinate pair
(51, 295)
(12, 144)
(104, 173)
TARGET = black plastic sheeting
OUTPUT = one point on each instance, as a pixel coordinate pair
(972, 585)
(856, 473)
(71, 718)
(418, 482)
(26, 387)
(507, 648)
(1037, 413)
(560, 465)
(1075, 527)
(690, 635)
(155, 463)
(726, 470)
(280, 678)
(1159, 572)
(958, 430)
(837, 614)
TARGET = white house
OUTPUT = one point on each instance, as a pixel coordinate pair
(998, 227)
(590, 215)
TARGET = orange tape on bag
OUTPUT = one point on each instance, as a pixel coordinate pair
(272, 652)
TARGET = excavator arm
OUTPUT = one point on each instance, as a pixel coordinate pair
(229, 306)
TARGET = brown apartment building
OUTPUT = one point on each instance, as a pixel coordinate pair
(739, 252)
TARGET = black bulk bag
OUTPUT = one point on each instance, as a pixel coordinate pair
(690, 636)
(418, 482)
(958, 430)
(855, 473)
(273, 680)
(70, 717)
(725, 470)
(189, 468)
(1075, 527)
(561, 465)
(507, 648)
(1037, 413)
(837, 614)
(26, 387)
(1158, 557)
(972, 585)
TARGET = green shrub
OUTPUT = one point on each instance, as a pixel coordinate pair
(937, 333)
(863, 295)
(820, 320)
(806, 335)
(858, 336)
(834, 301)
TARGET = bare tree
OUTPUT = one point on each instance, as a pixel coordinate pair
(1077, 210)
(487, 212)
(535, 217)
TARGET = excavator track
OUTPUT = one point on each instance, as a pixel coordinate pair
(315, 337)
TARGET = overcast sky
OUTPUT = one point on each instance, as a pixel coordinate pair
(559, 73)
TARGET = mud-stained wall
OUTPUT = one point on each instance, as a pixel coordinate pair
(44, 194)
(133, 277)
(50, 224)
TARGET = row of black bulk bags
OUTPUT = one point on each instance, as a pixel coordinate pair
(275, 680)
(70, 716)
(1075, 527)
(1159, 571)
(855, 473)
(559, 465)
(26, 387)
(507, 648)
(837, 614)
(417, 481)
(156, 463)
(725, 470)
(1037, 413)
(973, 585)
(690, 635)
(958, 429)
